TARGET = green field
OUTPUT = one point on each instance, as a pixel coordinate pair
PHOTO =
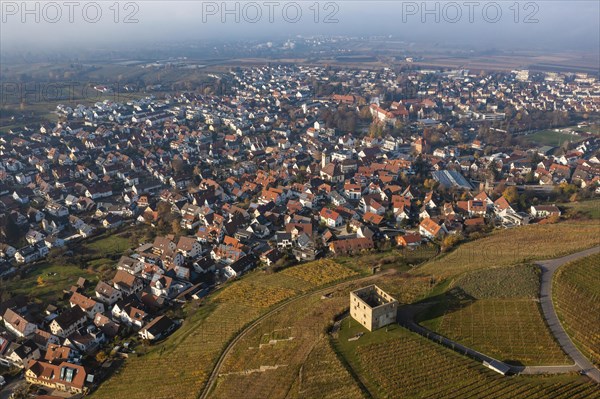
(552, 138)
(511, 330)
(93, 260)
(395, 363)
(576, 295)
(585, 209)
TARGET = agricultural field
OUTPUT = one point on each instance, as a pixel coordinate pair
(268, 361)
(208, 327)
(576, 295)
(406, 288)
(320, 272)
(521, 281)
(514, 246)
(399, 259)
(324, 376)
(395, 363)
(495, 311)
(510, 330)
(279, 357)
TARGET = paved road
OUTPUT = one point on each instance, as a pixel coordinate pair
(549, 267)
(216, 370)
(8, 389)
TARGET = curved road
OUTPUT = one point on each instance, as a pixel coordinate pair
(215, 373)
(549, 267)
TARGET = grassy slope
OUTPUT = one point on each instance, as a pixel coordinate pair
(480, 313)
(301, 341)
(60, 273)
(198, 343)
(495, 311)
(283, 341)
(587, 209)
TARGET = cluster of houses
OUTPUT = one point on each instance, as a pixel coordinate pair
(249, 177)
(52, 343)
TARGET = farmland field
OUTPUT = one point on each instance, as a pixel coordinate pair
(288, 354)
(510, 247)
(510, 330)
(399, 259)
(320, 272)
(206, 331)
(495, 312)
(521, 281)
(268, 362)
(289, 357)
(576, 295)
(395, 363)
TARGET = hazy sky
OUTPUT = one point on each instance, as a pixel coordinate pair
(497, 24)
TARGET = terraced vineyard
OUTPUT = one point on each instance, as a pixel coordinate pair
(269, 362)
(495, 311)
(400, 364)
(288, 354)
(576, 295)
(323, 376)
(320, 272)
(513, 246)
(180, 366)
(510, 330)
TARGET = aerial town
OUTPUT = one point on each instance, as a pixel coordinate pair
(285, 164)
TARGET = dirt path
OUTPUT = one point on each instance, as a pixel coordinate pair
(216, 370)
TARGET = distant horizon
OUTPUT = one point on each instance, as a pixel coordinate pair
(538, 26)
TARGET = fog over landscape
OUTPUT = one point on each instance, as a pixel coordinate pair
(540, 25)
